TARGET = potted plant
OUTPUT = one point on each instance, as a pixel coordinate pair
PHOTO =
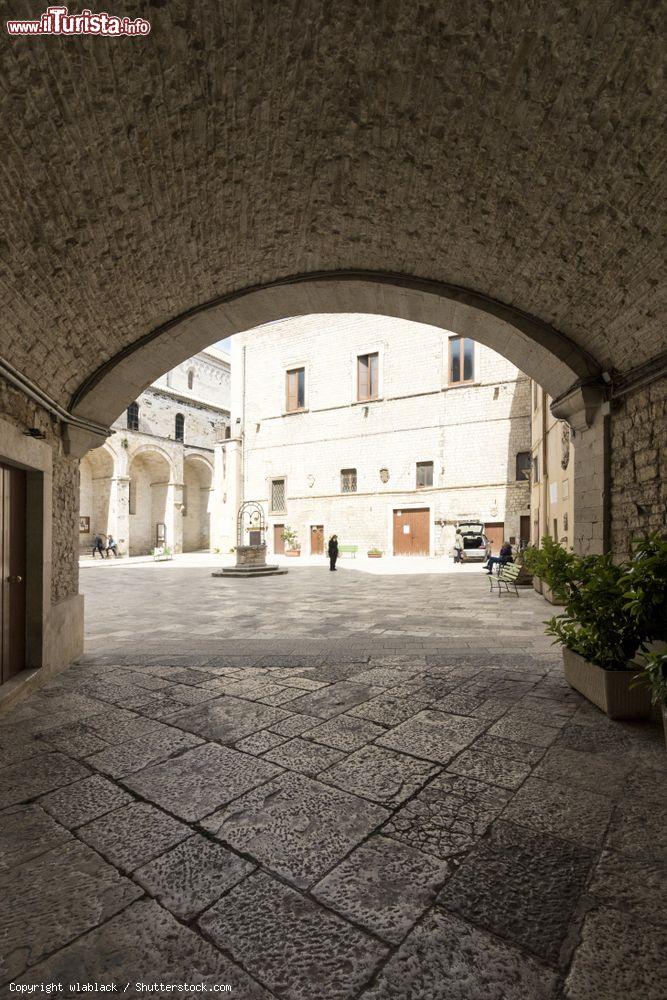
(612, 611)
(550, 565)
(374, 553)
(291, 540)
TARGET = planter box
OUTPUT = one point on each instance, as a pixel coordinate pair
(374, 555)
(614, 691)
(664, 722)
(548, 595)
(293, 552)
(537, 584)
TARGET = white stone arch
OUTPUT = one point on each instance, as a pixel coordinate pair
(97, 500)
(197, 502)
(151, 499)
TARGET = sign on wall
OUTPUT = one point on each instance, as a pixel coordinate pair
(84, 525)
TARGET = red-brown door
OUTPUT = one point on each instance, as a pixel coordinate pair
(13, 566)
(412, 532)
(524, 529)
(278, 540)
(496, 535)
(317, 539)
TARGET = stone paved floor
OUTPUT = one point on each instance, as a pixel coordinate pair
(347, 786)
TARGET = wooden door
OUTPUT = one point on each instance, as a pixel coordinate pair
(278, 540)
(412, 532)
(317, 539)
(13, 566)
(496, 535)
(524, 529)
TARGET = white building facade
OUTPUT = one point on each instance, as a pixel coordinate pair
(152, 483)
(384, 432)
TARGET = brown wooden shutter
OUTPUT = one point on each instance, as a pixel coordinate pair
(373, 375)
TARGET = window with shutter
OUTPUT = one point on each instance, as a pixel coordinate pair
(133, 417)
(348, 480)
(523, 465)
(295, 389)
(368, 370)
(278, 496)
(461, 360)
(424, 474)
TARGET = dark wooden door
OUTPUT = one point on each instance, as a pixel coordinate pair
(412, 532)
(13, 565)
(524, 529)
(278, 540)
(317, 539)
(496, 535)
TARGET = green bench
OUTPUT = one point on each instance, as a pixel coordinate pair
(506, 575)
(348, 550)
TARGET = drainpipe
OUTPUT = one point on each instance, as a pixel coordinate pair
(544, 485)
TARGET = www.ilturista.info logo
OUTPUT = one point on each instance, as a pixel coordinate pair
(59, 21)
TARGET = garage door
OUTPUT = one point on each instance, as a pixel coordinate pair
(496, 534)
(412, 532)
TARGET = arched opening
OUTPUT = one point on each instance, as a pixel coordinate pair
(96, 507)
(197, 483)
(150, 517)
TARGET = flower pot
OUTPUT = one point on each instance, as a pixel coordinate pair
(537, 584)
(616, 692)
(374, 555)
(292, 552)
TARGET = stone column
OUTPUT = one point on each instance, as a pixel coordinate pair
(121, 501)
(588, 415)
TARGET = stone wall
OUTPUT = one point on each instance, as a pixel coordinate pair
(638, 465)
(19, 410)
(470, 432)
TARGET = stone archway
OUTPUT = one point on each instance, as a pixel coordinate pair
(97, 502)
(197, 484)
(151, 501)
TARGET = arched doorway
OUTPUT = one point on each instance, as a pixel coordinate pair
(97, 509)
(197, 482)
(150, 502)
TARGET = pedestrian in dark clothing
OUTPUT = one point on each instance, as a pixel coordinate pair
(333, 552)
(98, 546)
(112, 546)
(504, 557)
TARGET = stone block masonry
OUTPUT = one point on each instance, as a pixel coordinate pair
(638, 460)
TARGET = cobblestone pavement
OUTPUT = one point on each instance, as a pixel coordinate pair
(341, 786)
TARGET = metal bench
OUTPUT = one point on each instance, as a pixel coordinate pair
(506, 575)
(348, 550)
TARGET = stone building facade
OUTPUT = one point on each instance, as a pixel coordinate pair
(551, 472)
(384, 432)
(151, 483)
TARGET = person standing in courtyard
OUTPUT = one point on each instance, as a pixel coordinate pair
(458, 547)
(333, 552)
(112, 546)
(98, 546)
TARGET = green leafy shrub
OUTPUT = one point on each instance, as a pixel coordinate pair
(612, 609)
(290, 538)
(645, 587)
(552, 563)
(655, 675)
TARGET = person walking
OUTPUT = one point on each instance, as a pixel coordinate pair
(504, 557)
(333, 552)
(458, 547)
(112, 546)
(98, 546)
